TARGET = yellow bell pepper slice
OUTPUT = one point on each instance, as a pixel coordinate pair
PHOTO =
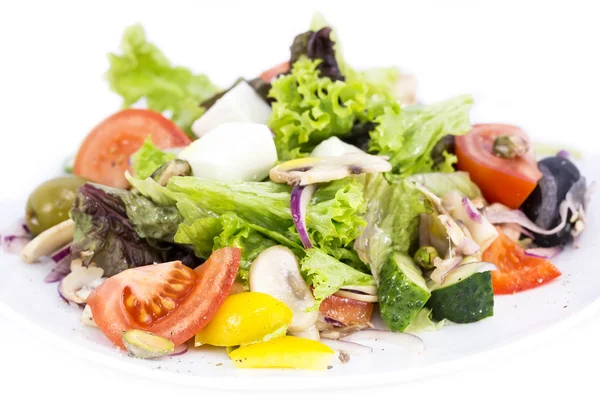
(246, 318)
(284, 352)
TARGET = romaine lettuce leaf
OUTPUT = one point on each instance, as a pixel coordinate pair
(262, 203)
(442, 183)
(408, 135)
(334, 217)
(309, 108)
(152, 190)
(143, 72)
(148, 158)
(327, 275)
(392, 220)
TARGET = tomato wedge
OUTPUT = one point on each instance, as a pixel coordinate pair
(502, 180)
(103, 156)
(517, 271)
(346, 311)
(271, 73)
(169, 299)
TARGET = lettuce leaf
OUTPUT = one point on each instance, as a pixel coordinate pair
(334, 217)
(262, 203)
(209, 234)
(142, 71)
(442, 183)
(424, 323)
(317, 45)
(392, 221)
(152, 190)
(309, 108)
(319, 22)
(148, 158)
(408, 135)
(118, 230)
(327, 275)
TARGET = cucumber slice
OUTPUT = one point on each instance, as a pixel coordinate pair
(402, 291)
(142, 344)
(466, 296)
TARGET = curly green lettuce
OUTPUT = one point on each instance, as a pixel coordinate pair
(335, 217)
(142, 71)
(209, 234)
(309, 108)
(408, 135)
(148, 158)
(327, 275)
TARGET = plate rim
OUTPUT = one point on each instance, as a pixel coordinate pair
(320, 381)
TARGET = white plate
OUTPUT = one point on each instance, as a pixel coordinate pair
(524, 316)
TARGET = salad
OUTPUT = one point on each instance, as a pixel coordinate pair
(277, 218)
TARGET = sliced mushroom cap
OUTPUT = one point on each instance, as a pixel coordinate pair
(276, 272)
(87, 318)
(311, 333)
(73, 285)
(311, 170)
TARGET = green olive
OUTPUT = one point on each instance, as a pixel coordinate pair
(49, 204)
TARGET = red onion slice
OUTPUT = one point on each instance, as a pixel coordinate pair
(349, 347)
(299, 201)
(472, 212)
(333, 322)
(13, 243)
(411, 341)
(61, 253)
(179, 350)
(443, 268)
(62, 269)
(545, 253)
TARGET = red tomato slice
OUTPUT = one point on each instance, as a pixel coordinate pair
(346, 311)
(104, 154)
(506, 181)
(271, 73)
(169, 299)
(517, 271)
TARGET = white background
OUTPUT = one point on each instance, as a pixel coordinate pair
(529, 63)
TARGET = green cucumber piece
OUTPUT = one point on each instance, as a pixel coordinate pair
(402, 291)
(466, 296)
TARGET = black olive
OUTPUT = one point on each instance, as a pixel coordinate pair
(446, 144)
(542, 205)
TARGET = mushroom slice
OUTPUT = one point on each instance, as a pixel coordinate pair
(276, 272)
(357, 296)
(71, 287)
(49, 241)
(311, 170)
(311, 333)
(87, 318)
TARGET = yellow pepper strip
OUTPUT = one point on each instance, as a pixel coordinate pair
(284, 352)
(246, 318)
